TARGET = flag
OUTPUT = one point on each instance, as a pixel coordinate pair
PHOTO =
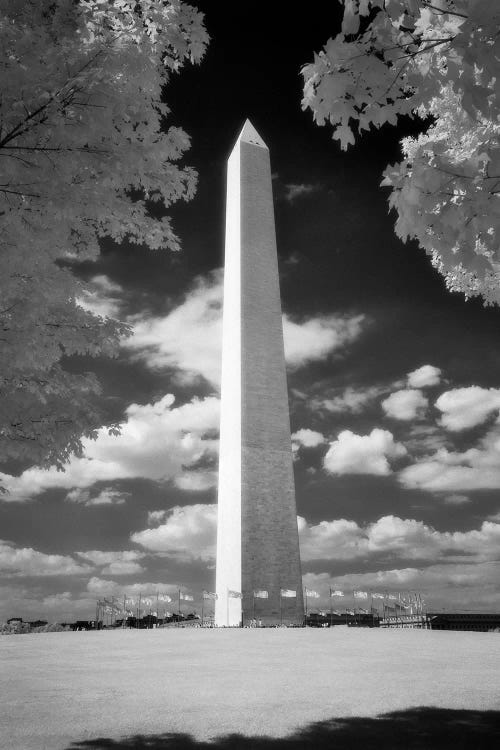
(378, 596)
(312, 594)
(287, 593)
(360, 594)
(261, 594)
(234, 594)
(165, 598)
(336, 592)
(209, 595)
(187, 597)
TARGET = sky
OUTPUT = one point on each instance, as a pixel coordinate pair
(394, 382)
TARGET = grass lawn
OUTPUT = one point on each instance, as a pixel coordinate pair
(265, 689)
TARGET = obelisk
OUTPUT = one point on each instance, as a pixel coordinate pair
(258, 574)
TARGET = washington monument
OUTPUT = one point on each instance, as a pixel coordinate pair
(258, 575)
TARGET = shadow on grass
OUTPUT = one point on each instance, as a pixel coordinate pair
(414, 729)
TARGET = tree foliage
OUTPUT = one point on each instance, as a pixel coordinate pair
(85, 154)
(438, 60)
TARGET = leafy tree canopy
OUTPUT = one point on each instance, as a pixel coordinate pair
(85, 153)
(438, 60)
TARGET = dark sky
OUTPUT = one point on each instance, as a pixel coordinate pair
(339, 260)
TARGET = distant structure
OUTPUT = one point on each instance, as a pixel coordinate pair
(258, 574)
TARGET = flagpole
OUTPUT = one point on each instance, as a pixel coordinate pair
(179, 603)
(139, 609)
(331, 607)
(281, 610)
(305, 592)
(253, 607)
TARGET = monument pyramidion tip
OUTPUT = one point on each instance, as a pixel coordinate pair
(248, 134)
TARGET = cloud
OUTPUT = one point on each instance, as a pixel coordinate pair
(463, 408)
(26, 561)
(363, 454)
(54, 601)
(122, 569)
(188, 533)
(107, 496)
(405, 404)
(156, 516)
(158, 441)
(31, 603)
(331, 540)
(294, 191)
(308, 438)
(103, 299)
(197, 480)
(115, 562)
(317, 338)
(456, 499)
(188, 339)
(401, 538)
(424, 438)
(450, 471)
(424, 377)
(349, 400)
(103, 587)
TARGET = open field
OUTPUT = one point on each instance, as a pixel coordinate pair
(251, 689)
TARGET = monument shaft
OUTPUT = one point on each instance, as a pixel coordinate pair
(257, 538)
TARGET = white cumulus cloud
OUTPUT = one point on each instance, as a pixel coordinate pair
(463, 408)
(402, 538)
(298, 190)
(115, 562)
(103, 299)
(352, 400)
(315, 339)
(424, 377)
(308, 438)
(26, 561)
(107, 496)
(158, 441)
(363, 454)
(452, 471)
(187, 533)
(106, 587)
(405, 404)
(188, 339)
